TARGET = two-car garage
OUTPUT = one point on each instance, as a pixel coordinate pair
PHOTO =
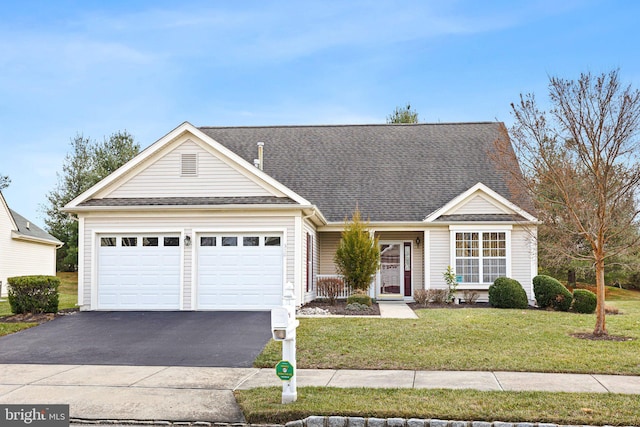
(231, 271)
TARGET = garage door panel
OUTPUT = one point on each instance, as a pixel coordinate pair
(138, 277)
(239, 277)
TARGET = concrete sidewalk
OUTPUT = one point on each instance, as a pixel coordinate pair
(206, 394)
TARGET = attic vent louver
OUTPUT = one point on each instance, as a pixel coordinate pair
(189, 164)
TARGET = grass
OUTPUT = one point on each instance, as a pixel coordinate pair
(462, 339)
(68, 297)
(262, 405)
(469, 339)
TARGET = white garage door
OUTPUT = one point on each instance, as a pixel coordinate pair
(239, 271)
(139, 272)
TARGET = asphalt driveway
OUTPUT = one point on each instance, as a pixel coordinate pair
(214, 338)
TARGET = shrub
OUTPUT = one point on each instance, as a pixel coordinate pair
(359, 299)
(452, 283)
(33, 294)
(357, 257)
(551, 294)
(331, 288)
(356, 306)
(584, 301)
(421, 296)
(507, 293)
(470, 297)
(438, 296)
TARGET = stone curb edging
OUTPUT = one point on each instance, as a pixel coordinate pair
(327, 421)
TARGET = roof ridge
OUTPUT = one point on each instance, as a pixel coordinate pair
(355, 125)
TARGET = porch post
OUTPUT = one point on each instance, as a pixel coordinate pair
(372, 285)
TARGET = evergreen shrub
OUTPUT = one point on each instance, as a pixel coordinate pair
(551, 294)
(507, 293)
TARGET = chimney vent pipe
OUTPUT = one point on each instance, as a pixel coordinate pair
(261, 155)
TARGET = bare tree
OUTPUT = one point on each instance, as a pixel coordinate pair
(580, 162)
(4, 182)
(403, 115)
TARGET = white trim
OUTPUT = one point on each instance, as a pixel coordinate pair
(19, 236)
(157, 146)
(488, 191)
(426, 256)
(6, 207)
(297, 266)
(81, 255)
(480, 227)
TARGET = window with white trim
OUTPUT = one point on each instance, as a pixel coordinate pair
(480, 257)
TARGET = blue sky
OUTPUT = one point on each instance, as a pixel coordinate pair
(95, 67)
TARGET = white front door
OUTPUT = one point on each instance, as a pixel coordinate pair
(391, 270)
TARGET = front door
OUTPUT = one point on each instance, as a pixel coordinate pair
(394, 278)
(391, 277)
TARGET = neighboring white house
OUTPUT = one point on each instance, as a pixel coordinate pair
(221, 218)
(25, 249)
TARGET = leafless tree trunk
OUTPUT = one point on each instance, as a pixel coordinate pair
(580, 163)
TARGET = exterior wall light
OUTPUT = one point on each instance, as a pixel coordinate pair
(418, 241)
(187, 241)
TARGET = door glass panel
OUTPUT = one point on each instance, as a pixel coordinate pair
(207, 241)
(272, 241)
(250, 241)
(149, 241)
(390, 269)
(229, 241)
(129, 241)
(172, 241)
(107, 241)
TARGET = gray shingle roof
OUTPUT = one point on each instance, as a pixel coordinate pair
(481, 218)
(392, 172)
(29, 229)
(189, 201)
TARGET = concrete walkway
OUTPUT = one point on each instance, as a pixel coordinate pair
(206, 394)
(396, 310)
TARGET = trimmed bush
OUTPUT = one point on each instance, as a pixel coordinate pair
(584, 301)
(507, 293)
(331, 288)
(551, 294)
(359, 299)
(33, 294)
(421, 296)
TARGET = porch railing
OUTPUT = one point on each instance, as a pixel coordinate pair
(343, 295)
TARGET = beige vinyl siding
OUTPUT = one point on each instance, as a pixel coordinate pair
(22, 258)
(522, 247)
(328, 244)
(178, 223)
(417, 255)
(215, 178)
(477, 205)
(438, 256)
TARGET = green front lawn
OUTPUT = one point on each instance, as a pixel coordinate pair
(262, 405)
(468, 339)
(461, 339)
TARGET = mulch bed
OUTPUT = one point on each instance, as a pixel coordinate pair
(35, 317)
(416, 306)
(591, 337)
(340, 308)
